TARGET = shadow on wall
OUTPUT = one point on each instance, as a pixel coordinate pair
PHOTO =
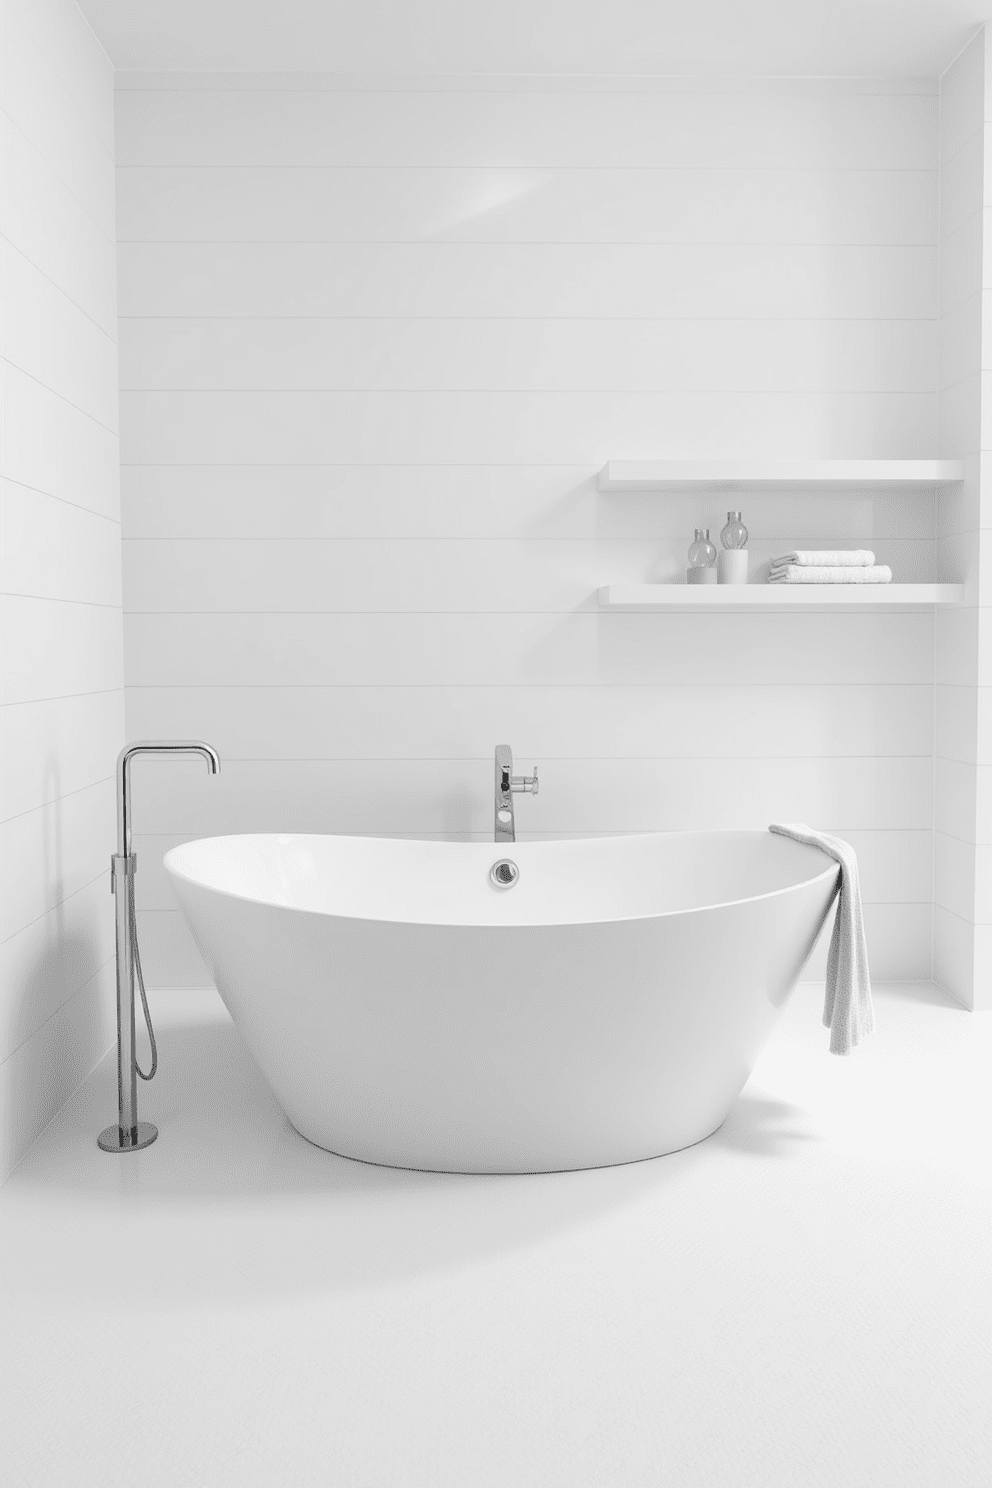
(49, 1069)
(224, 1192)
(55, 959)
(64, 954)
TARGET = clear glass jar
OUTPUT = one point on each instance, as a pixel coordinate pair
(734, 534)
(702, 553)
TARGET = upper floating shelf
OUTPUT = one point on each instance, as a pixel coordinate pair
(682, 475)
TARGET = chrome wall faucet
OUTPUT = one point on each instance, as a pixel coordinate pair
(130, 1134)
(506, 786)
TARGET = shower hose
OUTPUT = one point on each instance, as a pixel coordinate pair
(136, 963)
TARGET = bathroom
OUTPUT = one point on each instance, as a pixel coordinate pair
(367, 371)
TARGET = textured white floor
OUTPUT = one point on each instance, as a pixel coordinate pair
(801, 1300)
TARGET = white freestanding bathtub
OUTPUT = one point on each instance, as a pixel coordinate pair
(405, 1009)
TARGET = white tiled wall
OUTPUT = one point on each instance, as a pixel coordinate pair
(376, 341)
(963, 763)
(61, 719)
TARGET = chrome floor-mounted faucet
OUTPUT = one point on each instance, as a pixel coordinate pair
(506, 786)
(130, 1134)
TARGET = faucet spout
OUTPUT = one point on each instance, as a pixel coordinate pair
(506, 786)
(504, 828)
(151, 746)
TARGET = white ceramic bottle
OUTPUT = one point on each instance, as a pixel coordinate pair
(732, 567)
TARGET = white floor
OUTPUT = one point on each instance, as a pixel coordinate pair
(801, 1300)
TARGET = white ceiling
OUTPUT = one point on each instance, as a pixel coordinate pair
(901, 38)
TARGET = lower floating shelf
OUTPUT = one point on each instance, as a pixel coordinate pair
(778, 596)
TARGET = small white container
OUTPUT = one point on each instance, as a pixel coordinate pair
(732, 565)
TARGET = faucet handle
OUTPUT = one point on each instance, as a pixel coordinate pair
(526, 783)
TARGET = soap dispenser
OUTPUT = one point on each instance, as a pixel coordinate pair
(702, 557)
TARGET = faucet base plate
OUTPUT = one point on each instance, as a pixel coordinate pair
(110, 1139)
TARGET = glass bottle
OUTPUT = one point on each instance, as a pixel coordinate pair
(734, 534)
(702, 553)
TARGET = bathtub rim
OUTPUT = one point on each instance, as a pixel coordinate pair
(551, 923)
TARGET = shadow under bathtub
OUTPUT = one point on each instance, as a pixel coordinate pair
(231, 1202)
(762, 1126)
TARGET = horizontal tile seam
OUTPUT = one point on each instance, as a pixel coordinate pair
(64, 697)
(523, 390)
(274, 80)
(451, 686)
(932, 320)
(873, 832)
(962, 919)
(90, 604)
(867, 487)
(974, 376)
(55, 909)
(568, 242)
(154, 842)
(62, 500)
(652, 540)
(29, 702)
(618, 757)
(396, 167)
(481, 81)
(56, 1012)
(871, 611)
(61, 291)
(856, 606)
(791, 320)
(109, 238)
(705, 94)
(915, 904)
(923, 688)
(54, 392)
(588, 468)
(931, 172)
(57, 800)
(961, 841)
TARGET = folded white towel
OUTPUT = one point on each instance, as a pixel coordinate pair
(847, 1009)
(826, 558)
(793, 574)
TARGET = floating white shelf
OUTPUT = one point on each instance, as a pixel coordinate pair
(684, 475)
(778, 596)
